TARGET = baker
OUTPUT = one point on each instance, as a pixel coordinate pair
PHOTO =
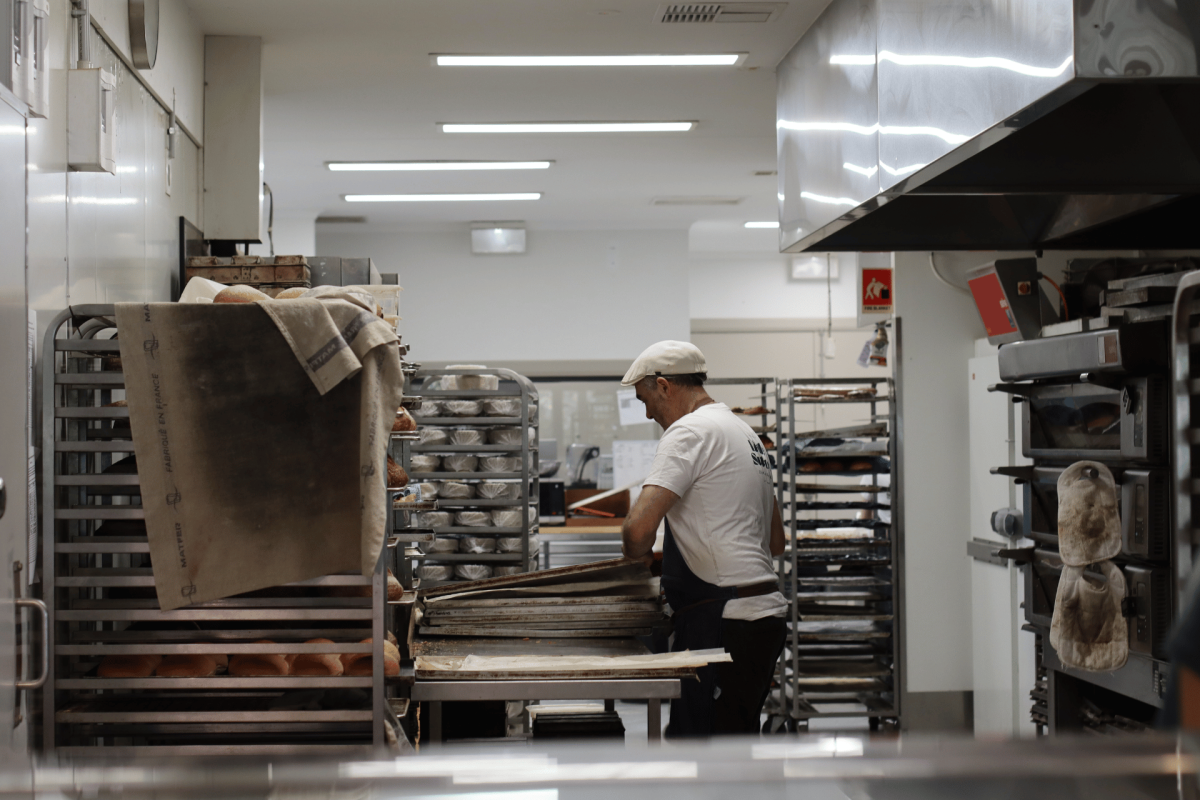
(711, 480)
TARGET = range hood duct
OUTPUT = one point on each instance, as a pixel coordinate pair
(992, 125)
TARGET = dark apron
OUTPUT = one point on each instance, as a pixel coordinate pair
(697, 607)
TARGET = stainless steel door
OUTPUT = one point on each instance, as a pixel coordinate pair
(14, 423)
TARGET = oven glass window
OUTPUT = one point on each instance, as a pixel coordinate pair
(1075, 423)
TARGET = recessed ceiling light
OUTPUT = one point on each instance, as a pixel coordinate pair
(763, 224)
(569, 127)
(440, 198)
(682, 60)
(431, 166)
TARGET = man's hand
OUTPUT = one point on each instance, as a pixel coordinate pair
(778, 543)
(641, 526)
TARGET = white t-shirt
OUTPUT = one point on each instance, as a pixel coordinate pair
(722, 522)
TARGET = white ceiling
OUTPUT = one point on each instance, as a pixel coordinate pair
(353, 80)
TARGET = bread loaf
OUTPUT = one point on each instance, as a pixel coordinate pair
(291, 294)
(860, 466)
(239, 294)
(137, 666)
(809, 466)
(191, 665)
(317, 664)
(394, 590)
(832, 466)
(360, 664)
(397, 477)
(404, 421)
(258, 665)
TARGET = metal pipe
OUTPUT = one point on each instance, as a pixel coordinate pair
(938, 275)
(83, 19)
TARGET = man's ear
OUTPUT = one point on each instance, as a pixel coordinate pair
(662, 383)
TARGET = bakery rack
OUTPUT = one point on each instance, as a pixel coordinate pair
(511, 386)
(842, 657)
(99, 592)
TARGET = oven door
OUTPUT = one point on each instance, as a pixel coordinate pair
(1150, 614)
(1076, 421)
(1143, 498)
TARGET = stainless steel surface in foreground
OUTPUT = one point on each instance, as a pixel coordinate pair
(812, 766)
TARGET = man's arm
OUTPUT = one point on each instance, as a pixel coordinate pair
(638, 532)
(777, 542)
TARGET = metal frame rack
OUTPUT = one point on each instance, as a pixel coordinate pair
(844, 639)
(1185, 392)
(518, 387)
(98, 586)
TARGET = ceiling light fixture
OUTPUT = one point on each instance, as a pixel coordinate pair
(569, 127)
(763, 224)
(683, 60)
(439, 198)
(431, 166)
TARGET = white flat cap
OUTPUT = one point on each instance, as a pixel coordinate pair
(666, 358)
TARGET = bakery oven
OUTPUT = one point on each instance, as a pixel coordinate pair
(1143, 498)
(1096, 417)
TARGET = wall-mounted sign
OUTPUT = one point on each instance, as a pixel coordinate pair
(875, 290)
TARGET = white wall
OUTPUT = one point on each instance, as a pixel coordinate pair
(573, 296)
(756, 287)
(939, 328)
(101, 238)
(180, 55)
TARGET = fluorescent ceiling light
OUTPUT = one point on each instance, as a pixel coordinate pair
(439, 198)
(764, 224)
(569, 127)
(685, 60)
(431, 166)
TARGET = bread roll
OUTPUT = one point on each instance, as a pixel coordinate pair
(397, 477)
(240, 294)
(190, 665)
(404, 421)
(832, 466)
(317, 664)
(360, 664)
(809, 466)
(292, 293)
(140, 666)
(258, 665)
(860, 466)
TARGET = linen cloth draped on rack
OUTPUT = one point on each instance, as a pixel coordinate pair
(260, 455)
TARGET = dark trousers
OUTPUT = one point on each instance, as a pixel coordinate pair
(729, 697)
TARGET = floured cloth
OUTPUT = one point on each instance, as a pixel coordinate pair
(258, 466)
(1087, 629)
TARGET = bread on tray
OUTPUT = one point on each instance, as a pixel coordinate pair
(191, 665)
(128, 666)
(259, 665)
(240, 294)
(317, 665)
(360, 664)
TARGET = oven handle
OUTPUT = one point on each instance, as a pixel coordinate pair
(1019, 389)
(1108, 381)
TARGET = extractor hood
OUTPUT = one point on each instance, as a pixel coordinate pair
(992, 125)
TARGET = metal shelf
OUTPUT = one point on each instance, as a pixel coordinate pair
(854, 586)
(100, 591)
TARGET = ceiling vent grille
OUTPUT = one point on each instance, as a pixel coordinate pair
(718, 12)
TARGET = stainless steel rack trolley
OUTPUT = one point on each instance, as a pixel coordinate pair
(98, 587)
(842, 657)
(503, 431)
